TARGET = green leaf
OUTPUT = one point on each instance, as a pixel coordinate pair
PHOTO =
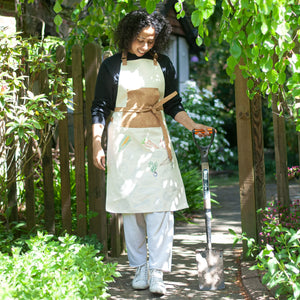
(58, 20)
(255, 51)
(264, 28)
(196, 18)
(57, 7)
(272, 76)
(232, 62)
(208, 12)
(150, 6)
(177, 6)
(199, 41)
(250, 84)
(267, 64)
(282, 78)
(235, 49)
(251, 38)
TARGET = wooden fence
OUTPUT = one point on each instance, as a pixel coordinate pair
(92, 218)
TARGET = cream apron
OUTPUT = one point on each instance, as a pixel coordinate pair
(142, 170)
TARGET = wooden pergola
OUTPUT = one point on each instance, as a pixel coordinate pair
(251, 155)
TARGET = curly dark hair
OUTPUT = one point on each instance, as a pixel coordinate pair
(134, 22)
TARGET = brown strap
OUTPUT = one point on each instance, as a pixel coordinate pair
(124, 58)
(155, 59)
(155, 109)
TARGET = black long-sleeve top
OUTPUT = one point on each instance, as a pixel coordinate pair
(107, 86)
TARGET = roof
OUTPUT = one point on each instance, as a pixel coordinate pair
(182, 27)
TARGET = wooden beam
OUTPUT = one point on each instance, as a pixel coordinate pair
(96, 177)
(280, 152)
(64, 156)
(79, 144)
(245, 156)
(258, 156)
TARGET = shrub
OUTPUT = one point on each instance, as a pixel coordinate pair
(202, 107)
(277, 252)
(50, 268)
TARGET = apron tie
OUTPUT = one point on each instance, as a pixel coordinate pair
(156, 111)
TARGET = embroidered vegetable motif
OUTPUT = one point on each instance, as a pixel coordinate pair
(149, 144)
(124, 142)
(153, 167)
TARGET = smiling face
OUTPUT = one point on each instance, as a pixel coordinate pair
(143, 42)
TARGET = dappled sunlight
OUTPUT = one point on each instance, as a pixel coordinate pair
(183, 282)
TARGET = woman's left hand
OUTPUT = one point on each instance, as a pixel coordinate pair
(203, 130)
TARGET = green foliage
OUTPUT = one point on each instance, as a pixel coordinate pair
(264, 43)
(277, 252)
(27, 117)
(96, 21)
(93, 22)
(203, 108)
(194, 192)
(50, 268)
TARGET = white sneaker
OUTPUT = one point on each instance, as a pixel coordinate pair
(140, 280)
(157, 285)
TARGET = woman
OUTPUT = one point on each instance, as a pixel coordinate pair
(143, 178)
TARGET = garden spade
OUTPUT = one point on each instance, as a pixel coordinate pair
(209, 261)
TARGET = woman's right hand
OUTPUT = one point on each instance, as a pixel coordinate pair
(98, 152)
(98, 155)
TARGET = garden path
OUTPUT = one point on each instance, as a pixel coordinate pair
(182, 282)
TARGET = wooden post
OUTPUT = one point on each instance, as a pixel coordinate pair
(47, 164)
(64, 151)
(245, 156)
(12, 211)
(79, 138)
(280, 152)
(258, 157)
(96, 177)
(29, 187)
(116, 235)
(28, 164)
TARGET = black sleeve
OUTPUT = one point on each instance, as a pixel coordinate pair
(173, 106)
(106, 89)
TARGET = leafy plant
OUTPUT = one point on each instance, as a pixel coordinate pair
(277, 252)
(203, 108)
(50, 268)
(194, 192)
(25, 115)
(263, 37)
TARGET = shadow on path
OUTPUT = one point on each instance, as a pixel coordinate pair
(182, 282)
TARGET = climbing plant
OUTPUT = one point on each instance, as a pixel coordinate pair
(263, 36)
(264, 40)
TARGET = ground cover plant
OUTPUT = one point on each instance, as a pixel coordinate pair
(46, 267)
(277, 252)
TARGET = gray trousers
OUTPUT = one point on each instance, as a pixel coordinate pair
(156, 228)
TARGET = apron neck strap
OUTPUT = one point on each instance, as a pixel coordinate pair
(124, 58)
